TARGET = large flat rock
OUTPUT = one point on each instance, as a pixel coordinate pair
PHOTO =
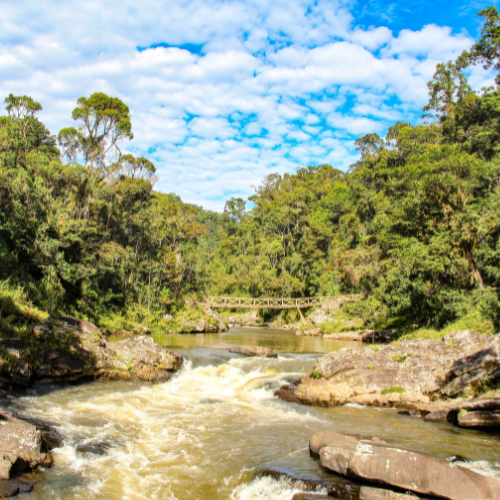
(419, 472)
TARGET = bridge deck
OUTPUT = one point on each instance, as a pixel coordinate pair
(271, 303)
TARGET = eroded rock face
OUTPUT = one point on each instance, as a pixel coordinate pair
(420, 370)
(70, 350)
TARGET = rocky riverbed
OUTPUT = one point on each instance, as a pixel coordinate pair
(211, 430)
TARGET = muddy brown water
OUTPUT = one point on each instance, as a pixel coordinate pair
(207, 433)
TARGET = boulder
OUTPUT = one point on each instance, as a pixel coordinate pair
(419, 472)
(437, 416)
(479, 419)
(66, 350)
(208, 321)
(412, 371)
(474, 404)
(261, 352)
(22, 448)
(245, 350)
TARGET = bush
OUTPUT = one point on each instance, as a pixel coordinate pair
(371, 311)
(342, 323)
(316, 375)
(17, 313)
(393, 389)
(401, 358)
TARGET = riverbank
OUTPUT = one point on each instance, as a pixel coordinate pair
(461, 365)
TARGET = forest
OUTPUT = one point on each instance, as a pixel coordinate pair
(414, 224)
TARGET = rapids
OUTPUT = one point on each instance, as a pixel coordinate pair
(208, 433)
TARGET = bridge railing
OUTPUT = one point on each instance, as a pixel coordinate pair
(270, 302)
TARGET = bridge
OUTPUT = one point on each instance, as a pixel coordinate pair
(271, 303)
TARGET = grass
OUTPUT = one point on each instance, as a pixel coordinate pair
(374, 347)
(401, 358)
(393, 389)
(316, 375)
(17, 312)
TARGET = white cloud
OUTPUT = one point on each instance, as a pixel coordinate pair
(272, 86)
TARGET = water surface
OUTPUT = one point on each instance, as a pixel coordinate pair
(205, 434)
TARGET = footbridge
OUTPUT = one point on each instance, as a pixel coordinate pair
(271, 303)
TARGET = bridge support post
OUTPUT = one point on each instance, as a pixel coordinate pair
(301, 316)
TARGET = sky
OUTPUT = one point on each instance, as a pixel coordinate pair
(225, 92)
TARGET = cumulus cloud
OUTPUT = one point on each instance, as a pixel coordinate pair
(223, 93)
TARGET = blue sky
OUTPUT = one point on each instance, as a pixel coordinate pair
(223, 93)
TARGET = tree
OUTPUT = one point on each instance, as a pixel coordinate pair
(106, 122)
(369, 144)
(448, 85)
(70, 139)
(138, 168)
(487, 50)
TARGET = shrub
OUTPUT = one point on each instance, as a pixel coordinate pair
(316, 375)
(401, 358)
(393, 389)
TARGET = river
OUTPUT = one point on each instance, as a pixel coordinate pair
(208, 433)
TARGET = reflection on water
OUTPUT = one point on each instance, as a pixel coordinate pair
(206, 433)
(277, 340)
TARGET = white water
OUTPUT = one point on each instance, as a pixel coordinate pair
(205, 434)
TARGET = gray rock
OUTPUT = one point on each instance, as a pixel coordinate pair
(21, 447)
(261, 352)
(437, 416)
(420, 472)
(423, 369)
(479, 419)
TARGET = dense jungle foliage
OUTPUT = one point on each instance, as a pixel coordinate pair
(414, 224)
